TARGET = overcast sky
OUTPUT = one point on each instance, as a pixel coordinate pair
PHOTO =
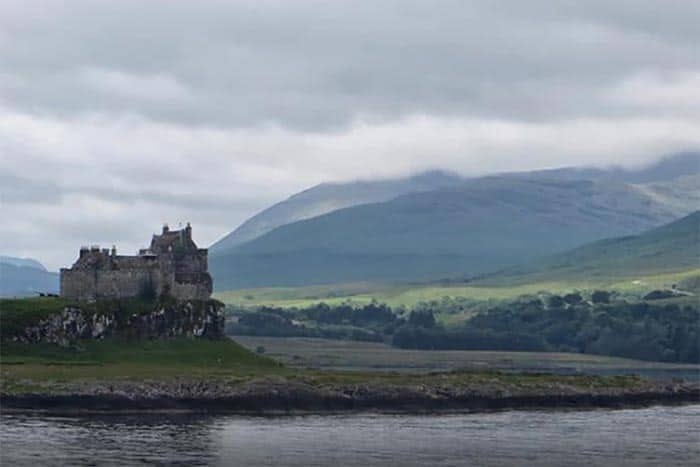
(118, 116)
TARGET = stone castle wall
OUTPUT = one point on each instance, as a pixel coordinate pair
(173, 265)
(92, 284)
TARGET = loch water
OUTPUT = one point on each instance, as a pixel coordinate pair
(659, 436)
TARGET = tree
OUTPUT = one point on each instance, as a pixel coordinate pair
(422, 318)
(600, 296)
(555, 301)
(573, 298)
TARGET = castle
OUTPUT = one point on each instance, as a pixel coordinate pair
(172, 265)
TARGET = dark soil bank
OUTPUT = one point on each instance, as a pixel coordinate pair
(296, 397)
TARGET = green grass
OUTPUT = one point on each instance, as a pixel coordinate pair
(670, 248)
(50, 369)
(47, 368)
(18, 314)
(115, 358)
(632, 265)
(24, 365)
(409, 295)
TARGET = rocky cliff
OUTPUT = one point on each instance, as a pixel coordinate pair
(128, 319)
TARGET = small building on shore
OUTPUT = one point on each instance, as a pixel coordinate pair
(172, 265)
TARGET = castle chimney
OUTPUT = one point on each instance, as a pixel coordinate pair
(114, 250)
(166, 229)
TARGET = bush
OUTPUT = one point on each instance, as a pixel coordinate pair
(422, 318)
(573, 298)
(600, 296)
(555, 301)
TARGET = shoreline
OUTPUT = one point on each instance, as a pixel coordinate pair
(273, 402)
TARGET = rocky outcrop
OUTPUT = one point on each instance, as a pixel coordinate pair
(200, 319)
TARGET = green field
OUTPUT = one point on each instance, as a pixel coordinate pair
(113, 357)
(411, 294)
(225, 367)
(198, 365)
(117, 359)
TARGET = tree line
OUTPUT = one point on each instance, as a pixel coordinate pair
(668, 332)
(596, 324)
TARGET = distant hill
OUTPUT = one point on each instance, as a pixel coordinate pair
(21, 277)
(478, 226)
(670, 248)
(25, 262)
(329, 197)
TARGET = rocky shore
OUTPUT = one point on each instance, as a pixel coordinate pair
(270, 395)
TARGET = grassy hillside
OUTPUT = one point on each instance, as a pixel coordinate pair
(133, 359)
(637, 264)
(200, 369)
(114, 357)
(412, 294)
(670, 248)
(18, 314)
(484, 226)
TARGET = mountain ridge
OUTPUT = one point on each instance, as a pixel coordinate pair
(328, 197)
(481, 226)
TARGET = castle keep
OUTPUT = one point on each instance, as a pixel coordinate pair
(172, 265)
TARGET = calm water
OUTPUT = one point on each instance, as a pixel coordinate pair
(657, 436)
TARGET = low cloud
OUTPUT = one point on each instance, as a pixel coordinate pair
(104, 181)
(117, 116)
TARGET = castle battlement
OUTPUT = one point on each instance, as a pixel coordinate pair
(171, 265)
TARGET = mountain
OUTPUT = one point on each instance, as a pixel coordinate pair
(666, 169)
(25, 262)
(474, 227)
(328, 197)
(672, 247)
(25, 277)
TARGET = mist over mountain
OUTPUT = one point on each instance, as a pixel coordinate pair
(666, 169)
(469, 227)
(22, 262)
(328, 197)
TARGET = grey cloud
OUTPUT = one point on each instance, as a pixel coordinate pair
(319, 65)
(118, 115)
(21, 190)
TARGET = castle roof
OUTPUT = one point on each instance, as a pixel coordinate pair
(170, 240)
